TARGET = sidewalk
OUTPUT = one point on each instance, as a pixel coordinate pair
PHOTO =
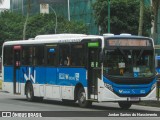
(150, 103)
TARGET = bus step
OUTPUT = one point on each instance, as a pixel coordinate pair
(92, 96)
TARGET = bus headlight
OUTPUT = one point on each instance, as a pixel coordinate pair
(108, 86)
(153, 86)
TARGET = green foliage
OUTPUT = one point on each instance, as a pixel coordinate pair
(46, 23)
(11, 25)
(124, 16)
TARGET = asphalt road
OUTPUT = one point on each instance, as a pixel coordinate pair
(16, 103)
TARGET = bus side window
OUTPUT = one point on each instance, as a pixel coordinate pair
(38, 55)
(51, 56)
(65, 58)
(8, 55)
(77, 53)
(27, 55)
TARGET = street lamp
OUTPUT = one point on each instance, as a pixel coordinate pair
(108, 16)
(56, 19)
(69, 18)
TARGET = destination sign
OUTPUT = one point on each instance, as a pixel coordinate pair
(128, 42)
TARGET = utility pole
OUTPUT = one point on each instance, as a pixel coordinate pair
(69, 11)
(55, 30)
(108, 16)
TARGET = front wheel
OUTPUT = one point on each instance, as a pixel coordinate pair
(124, 104)
(82, 99)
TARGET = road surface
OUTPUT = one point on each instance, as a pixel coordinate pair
(13, 103)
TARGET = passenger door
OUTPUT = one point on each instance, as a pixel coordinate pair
(94, 70)
(16, 69)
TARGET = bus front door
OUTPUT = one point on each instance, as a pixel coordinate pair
(93, 72)
(16, 73)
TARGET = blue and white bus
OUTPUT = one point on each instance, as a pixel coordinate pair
(157, 60)
(83, 68)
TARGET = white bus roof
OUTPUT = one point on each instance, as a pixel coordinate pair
(56, 38)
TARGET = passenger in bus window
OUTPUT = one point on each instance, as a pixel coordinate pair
(65, 61)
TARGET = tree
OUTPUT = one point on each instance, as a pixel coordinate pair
(140, 29)
(11, 25)
(155, 6)
(124, 16)
(26, 21)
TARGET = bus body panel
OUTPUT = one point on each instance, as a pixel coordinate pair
(71, 76)
(107, 95)
(136, 89)
(56, 83)
(8, 76)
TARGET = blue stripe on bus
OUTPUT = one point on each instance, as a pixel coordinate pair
(48, 75)
(130, 89)
(8, 76)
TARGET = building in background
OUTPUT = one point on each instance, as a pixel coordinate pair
(5, 5)
(79, 10)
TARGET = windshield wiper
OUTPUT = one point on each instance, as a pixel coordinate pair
(123, 53)
(140, 54)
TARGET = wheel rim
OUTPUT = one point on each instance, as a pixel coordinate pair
(29, 93)
(82, 98)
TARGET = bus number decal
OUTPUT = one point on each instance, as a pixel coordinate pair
(64, 76)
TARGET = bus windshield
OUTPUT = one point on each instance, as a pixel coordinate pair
(128, 63)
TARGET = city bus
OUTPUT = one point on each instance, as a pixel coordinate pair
(82, 68)
(157, 59)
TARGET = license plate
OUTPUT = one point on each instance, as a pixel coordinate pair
(134, 99)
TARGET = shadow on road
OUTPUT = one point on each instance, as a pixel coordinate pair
(69, 104)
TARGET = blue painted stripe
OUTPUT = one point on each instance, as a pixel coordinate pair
(8, 74)
(48, 75)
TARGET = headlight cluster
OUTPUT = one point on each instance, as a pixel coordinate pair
(108, 86)
(153, 86)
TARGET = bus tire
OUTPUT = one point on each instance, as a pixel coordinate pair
(124, 104)
(82, 99)
(29, 92)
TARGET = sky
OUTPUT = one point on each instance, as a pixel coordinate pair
(6, 4)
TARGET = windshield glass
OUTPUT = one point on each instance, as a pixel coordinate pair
(128, 63)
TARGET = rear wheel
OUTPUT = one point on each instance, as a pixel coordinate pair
(125, 105)
(82, 99)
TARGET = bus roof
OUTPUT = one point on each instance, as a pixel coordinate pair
(54, 38)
